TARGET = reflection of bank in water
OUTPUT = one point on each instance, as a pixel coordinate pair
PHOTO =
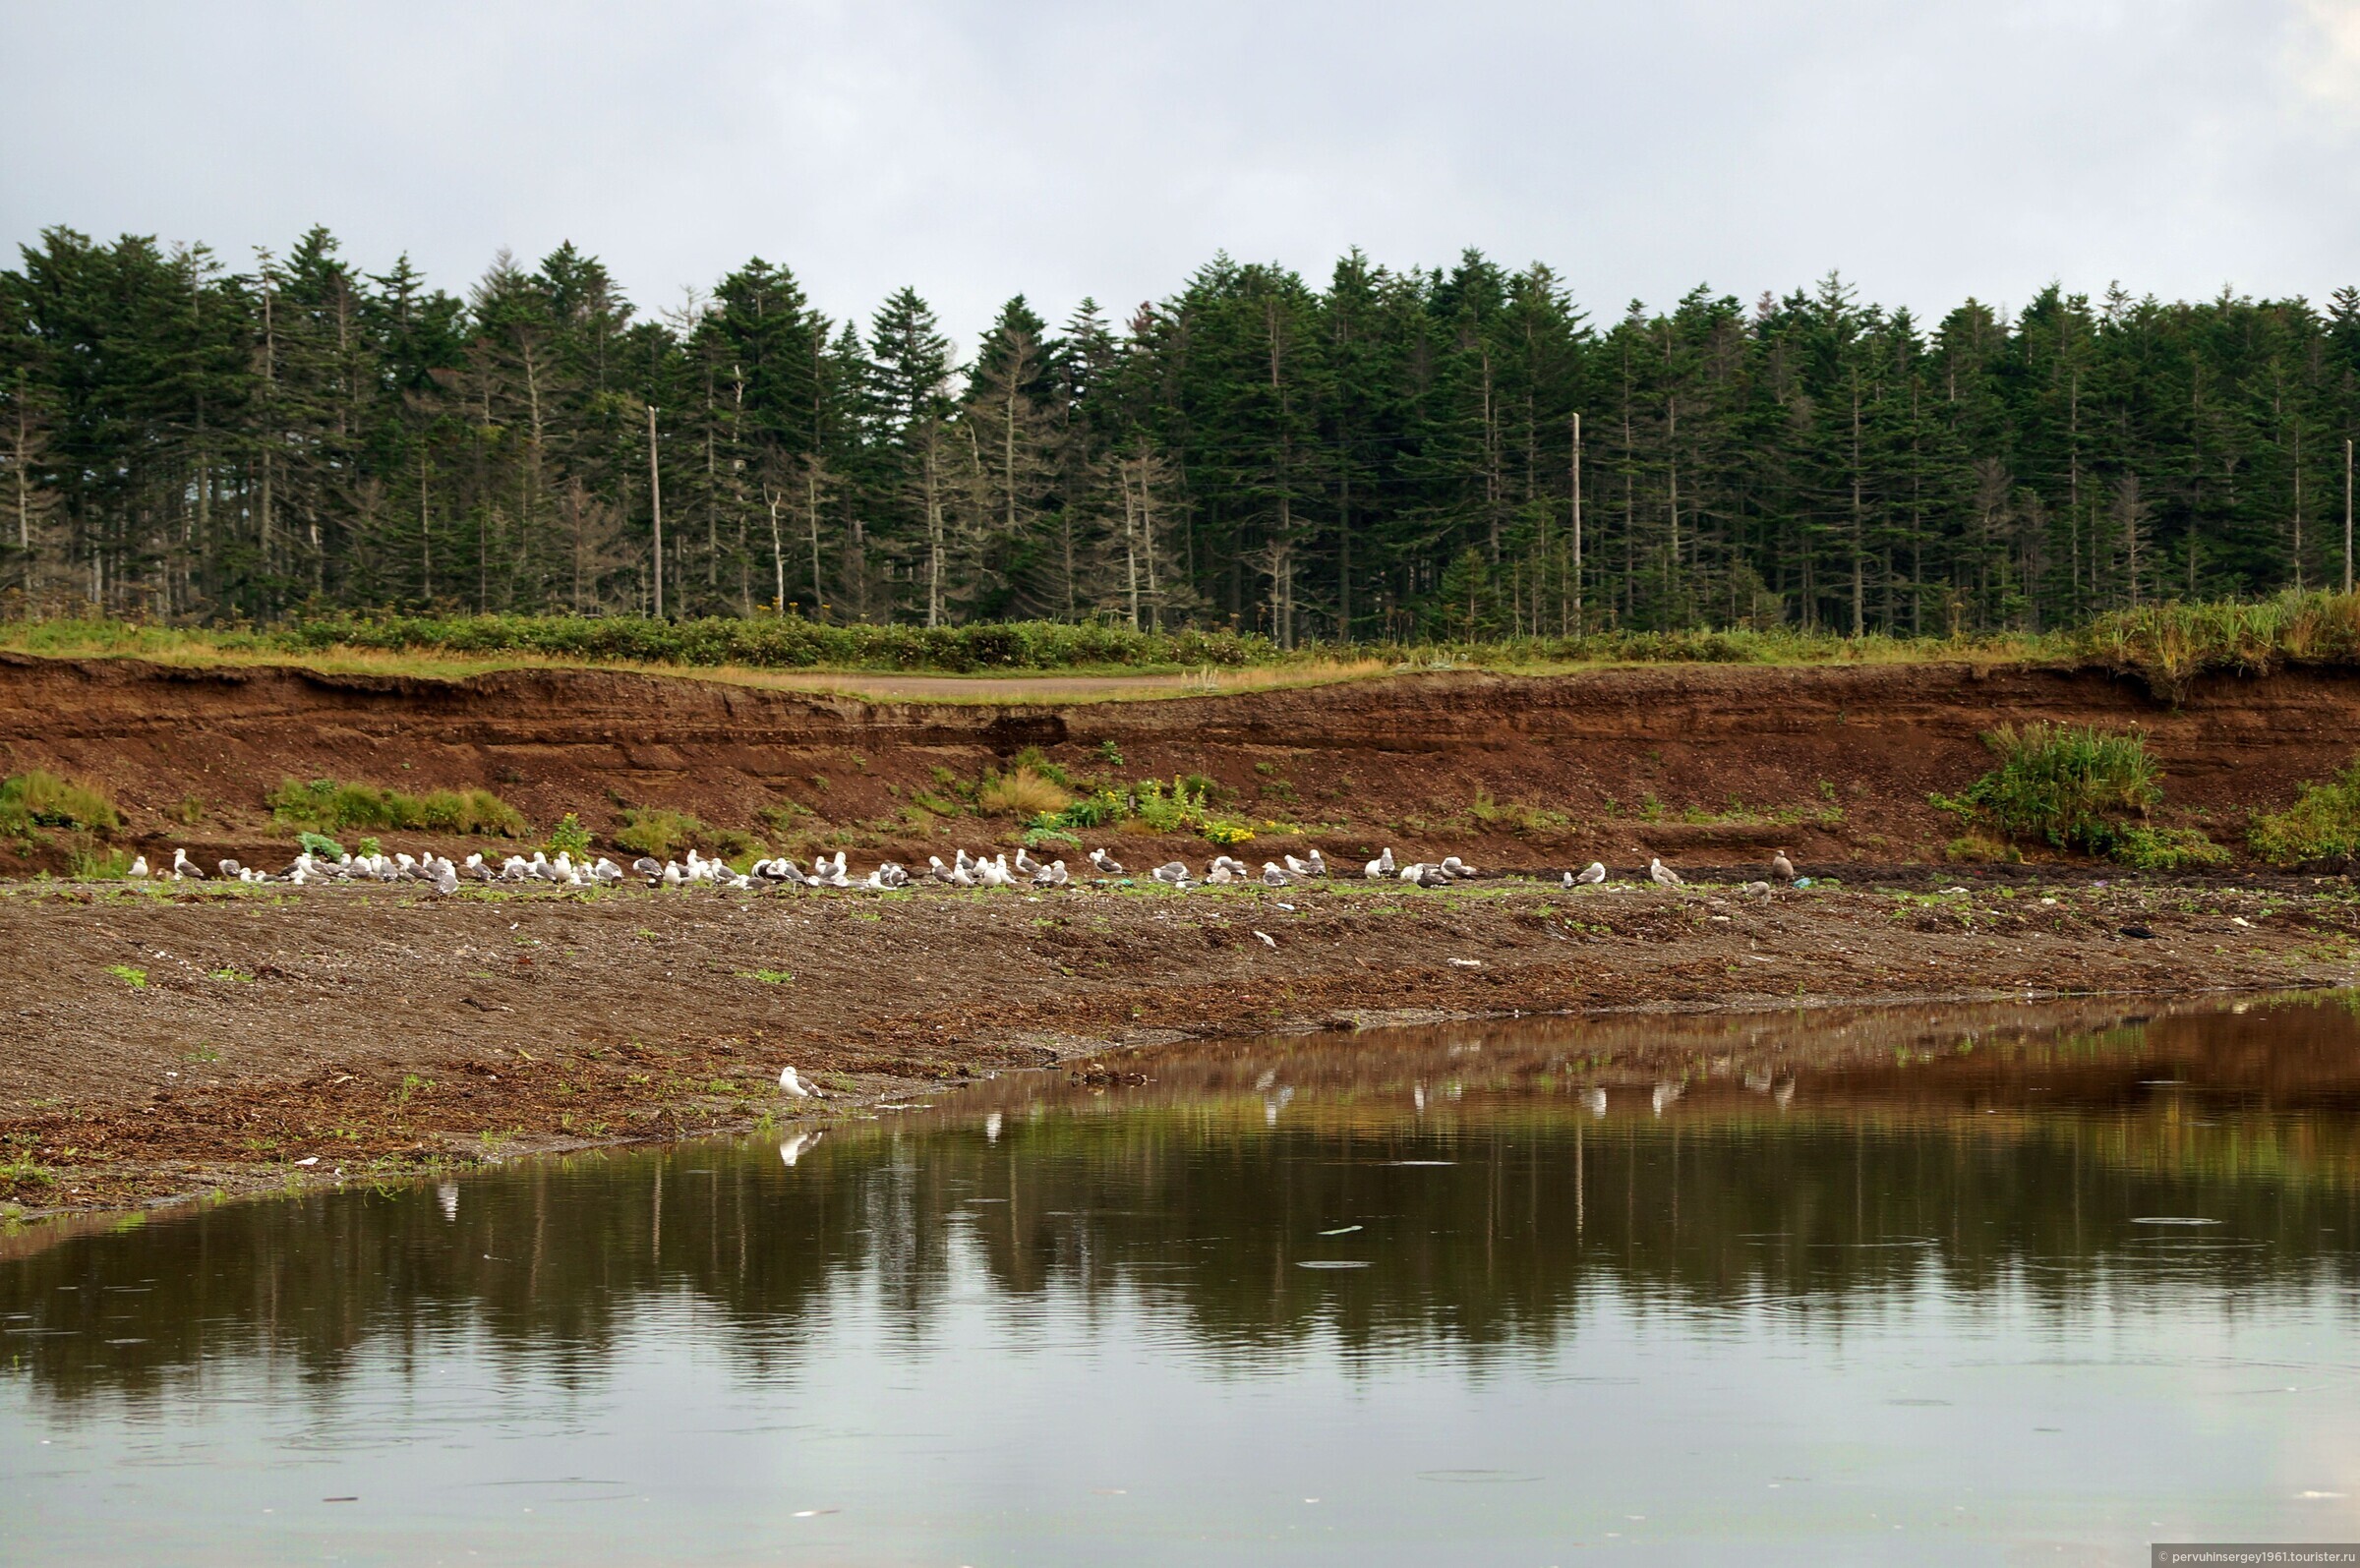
(2266, 1085)
(1466, 1165)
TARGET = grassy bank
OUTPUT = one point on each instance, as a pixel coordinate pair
(2169, 646)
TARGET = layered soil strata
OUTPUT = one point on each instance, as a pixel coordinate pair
(1714, 763)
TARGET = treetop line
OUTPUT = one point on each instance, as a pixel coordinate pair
(1451, 452)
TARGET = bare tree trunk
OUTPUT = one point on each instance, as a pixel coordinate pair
(778, 552)
(1860, 589)
(2298, 504)
(1671, 460)
(1147, 540)
(1576, 488)
(1130, 541)
(655, 502)
(21, 460)
(426, 535)
(812, 510)
(935, 530)
(1491, 464)
(1343, 551)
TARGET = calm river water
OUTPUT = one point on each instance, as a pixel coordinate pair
(1924, 1287)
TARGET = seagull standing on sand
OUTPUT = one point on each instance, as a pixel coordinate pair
(1591, 875)
(1105, 864)
(183, 866)
(792, 1085)
(1383, 866)
(1663, 875)
(1781, 867)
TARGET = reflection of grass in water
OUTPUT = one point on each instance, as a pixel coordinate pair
(1497, 1250)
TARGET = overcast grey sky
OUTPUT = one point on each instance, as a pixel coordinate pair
(1928, 148)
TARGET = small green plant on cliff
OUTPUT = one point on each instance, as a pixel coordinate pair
(330, 805)
(2323, 824)
(2149, 848)
(1980, 847)
(1037, 760)
(136, 979)
(19, 1170)
(36, 800)
(568, 838)
(88, 860)
(2075, 787)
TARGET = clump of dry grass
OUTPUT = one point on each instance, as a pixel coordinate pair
(1020, 792)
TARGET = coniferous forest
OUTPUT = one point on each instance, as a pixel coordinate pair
(1462, 453)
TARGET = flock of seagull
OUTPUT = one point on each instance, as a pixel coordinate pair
(962, 871)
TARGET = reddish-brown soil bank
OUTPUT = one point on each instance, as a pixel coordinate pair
(1833, 762)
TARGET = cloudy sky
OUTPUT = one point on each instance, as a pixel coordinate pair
(1928, 148)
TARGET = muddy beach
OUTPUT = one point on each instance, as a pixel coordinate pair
(183, 1040)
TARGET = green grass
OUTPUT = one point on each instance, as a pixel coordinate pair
(35, 799)
(2149, 848)
(2169, 646)
(658, 832)
(136, 979)
(88, 860)
(766, 642)
(766, 976)
(330, 805)
(2323, 824)
(2074, 787)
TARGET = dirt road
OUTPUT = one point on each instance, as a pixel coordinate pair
(168, 1040)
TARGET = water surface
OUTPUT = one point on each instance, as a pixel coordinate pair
(2014, 1285)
